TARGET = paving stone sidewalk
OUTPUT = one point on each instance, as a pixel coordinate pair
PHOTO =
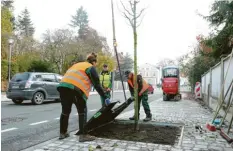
(188, 112)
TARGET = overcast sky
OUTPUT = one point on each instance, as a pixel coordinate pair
(168, 29)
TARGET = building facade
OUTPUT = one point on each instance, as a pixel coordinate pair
(150, 73)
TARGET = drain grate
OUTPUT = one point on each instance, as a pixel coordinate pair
(8, 120)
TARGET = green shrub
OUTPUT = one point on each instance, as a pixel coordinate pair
(4, 69)
(40, 66)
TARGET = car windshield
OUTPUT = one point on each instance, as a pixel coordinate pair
(170, 72)
(20, 77)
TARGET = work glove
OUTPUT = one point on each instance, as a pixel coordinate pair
(107, 101)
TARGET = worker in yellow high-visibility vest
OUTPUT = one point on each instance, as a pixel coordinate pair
(106, 82)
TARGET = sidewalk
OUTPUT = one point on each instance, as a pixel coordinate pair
(188, 112)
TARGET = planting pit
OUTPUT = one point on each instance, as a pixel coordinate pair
(149, 132)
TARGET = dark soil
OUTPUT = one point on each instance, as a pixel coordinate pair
(148, 133)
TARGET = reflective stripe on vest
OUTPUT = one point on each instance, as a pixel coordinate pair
(145, 86)
(105, 79)
(77, 76)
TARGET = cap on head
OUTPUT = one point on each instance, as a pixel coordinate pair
(127, 73)
(92, 57)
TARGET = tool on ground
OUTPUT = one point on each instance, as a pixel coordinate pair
(226, 136)
(106, 115)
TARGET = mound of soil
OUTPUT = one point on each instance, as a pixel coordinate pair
(148, 133)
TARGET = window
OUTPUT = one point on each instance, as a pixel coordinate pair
(48, 78)
(147, 74)
(20, 77)
(37, 77)
(154, 74)
(147, 68)
(170, 72)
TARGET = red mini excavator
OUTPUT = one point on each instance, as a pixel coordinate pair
(171, 83)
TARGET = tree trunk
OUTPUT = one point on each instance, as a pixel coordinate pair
(136, 104)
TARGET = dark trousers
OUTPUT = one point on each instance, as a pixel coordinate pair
(144, 99)
(68, 97)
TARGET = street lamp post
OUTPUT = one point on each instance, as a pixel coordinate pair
(10, 41)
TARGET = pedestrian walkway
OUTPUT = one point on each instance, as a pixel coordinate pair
(188, 112)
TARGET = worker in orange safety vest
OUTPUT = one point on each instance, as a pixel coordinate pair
(75, 87)
(142, 94)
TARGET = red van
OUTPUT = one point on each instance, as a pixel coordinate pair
(150, 89)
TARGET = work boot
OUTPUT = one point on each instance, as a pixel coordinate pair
(62, 136)
(148, 118)
(86, 138)
(63, 126)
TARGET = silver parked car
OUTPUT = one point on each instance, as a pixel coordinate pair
(34, 86)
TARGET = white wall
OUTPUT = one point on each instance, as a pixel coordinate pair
(216, 81)
(229, 76)
(216, 84)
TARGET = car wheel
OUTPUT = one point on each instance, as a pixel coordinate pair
(57, 100)
(152, 92)
(164, 97)
(38, 98)
(17, 101)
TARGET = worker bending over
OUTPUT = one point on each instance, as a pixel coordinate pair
(75, 87)
(142, 94)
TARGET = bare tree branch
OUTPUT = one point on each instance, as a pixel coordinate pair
(131, 5)
(127, 17)
(126, 9)
(140, 22)
(140, 13)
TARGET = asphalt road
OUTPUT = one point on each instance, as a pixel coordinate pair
(27, 125)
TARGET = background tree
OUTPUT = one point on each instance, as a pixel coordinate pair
(7, 3)
(57, 46)
(80, 21)
(40, 66)
(105, 58)
(166, 62)
(221, 19)
(6, 26)
(25, 25)
(133, 16)
(126, 63)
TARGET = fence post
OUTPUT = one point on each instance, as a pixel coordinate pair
(210, 87)
(222, 77)
(208, 95)
(205, 86)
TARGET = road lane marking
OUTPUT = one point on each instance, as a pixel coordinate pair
(76, 114)
(58, 118)
(38, 122)
(9, 129)
(93, 110)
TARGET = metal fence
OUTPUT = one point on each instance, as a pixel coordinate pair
(212, 80)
